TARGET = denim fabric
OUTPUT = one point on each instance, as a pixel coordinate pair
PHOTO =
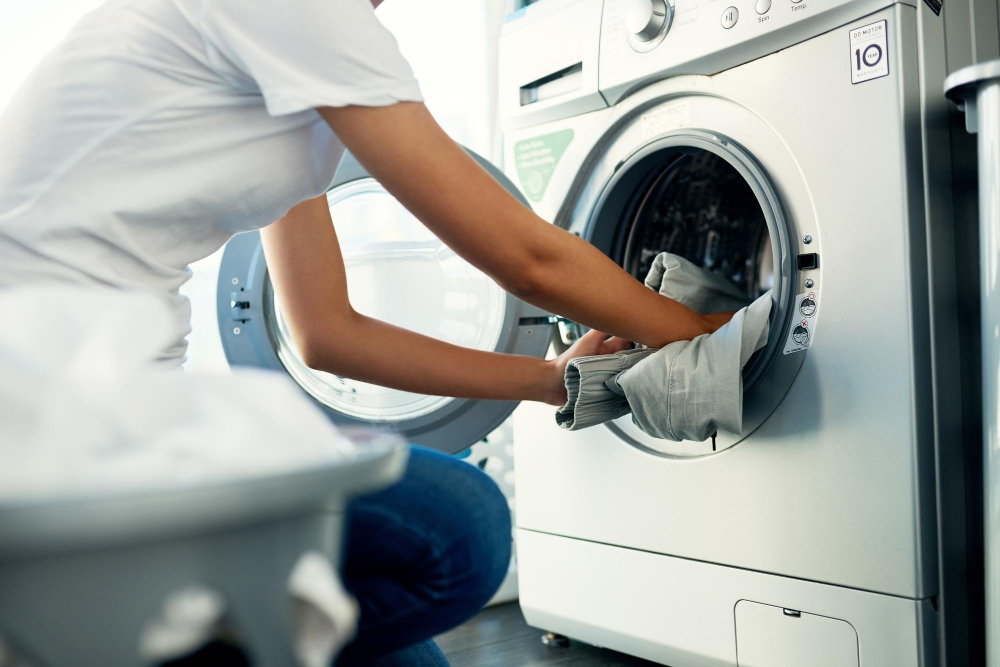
(424, 654)
(423, 557)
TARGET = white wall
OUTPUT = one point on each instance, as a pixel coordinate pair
(28, 30)
(448, 44)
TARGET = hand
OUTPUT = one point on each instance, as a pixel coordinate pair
(590, 344)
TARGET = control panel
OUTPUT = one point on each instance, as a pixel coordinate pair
(548, 61)
(643, 40)
(646, 23)
(561, 58)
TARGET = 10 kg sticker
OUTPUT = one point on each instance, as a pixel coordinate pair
(869, 52)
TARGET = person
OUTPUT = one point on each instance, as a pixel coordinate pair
(157, 129)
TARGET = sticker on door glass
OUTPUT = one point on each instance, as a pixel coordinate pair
(806, 308)
(869, 52)
(537, 158)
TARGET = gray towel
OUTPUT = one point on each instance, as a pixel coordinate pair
(590, 400)
(686, 390)
(699, 289)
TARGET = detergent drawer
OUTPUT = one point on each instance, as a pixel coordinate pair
(770, 636)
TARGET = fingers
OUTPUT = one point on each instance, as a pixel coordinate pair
(613, 345)
(593, 337)
(597, 342)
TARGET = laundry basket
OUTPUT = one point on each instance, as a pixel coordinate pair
(81, 578)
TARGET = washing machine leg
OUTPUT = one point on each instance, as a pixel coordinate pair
(554, 639)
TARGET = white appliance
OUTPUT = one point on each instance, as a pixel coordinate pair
(796, 144)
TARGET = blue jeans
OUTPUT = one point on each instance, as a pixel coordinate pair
(423, 557)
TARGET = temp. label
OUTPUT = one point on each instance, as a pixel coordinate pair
(806, 309)
(668, 117)
(869, 52)
(536, 160)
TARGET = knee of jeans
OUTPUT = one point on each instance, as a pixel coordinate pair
(485, 543)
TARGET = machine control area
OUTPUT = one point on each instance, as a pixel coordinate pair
(646, 23)
(730, 17)
(705, 37)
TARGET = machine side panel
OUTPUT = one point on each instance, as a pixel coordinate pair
(957, 620)
(911, 163)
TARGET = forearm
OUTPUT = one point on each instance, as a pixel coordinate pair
(578, 281)
(373, 351)
(483, 223)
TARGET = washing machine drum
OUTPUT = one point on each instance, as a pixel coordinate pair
(398, 272)
(700, 208)
(702, 196)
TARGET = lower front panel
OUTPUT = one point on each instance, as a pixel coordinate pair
(686, 613)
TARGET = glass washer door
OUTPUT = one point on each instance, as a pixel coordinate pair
(398, 272)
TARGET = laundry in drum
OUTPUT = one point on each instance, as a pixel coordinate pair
(686, 390)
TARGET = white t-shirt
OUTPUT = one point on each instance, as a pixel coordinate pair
(157, 129)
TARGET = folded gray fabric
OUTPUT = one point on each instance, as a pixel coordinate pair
(688, 390)
(699, 289)
(590, 399)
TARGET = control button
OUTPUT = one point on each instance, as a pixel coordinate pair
(795, 2)
(808, 261)
(646, 18)
(762, 6)
(730, 17)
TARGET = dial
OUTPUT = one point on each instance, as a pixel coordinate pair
(646, 22)
(646, 18)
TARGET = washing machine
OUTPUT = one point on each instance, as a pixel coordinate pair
(798, 146)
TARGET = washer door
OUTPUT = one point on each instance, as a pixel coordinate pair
(401, 273)
(701, 195)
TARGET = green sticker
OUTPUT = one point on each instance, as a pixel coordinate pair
(537, 158)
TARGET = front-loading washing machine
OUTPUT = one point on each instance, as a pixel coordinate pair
(789, 145)
(798, 146)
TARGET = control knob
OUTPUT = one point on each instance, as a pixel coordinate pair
(646, 22)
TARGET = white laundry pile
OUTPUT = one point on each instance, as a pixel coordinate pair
(686, 390)
(84, 413)
(82, 408)
(324, 617)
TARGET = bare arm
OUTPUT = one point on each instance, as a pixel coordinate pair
(483, 223)
(307, 271)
